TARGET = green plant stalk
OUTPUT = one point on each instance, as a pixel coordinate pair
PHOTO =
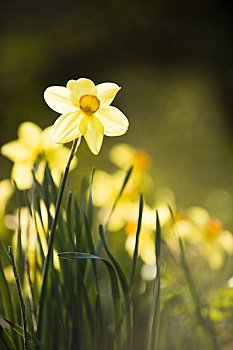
(22, 305)
(135, 255)
(45, 270)
(154, 321)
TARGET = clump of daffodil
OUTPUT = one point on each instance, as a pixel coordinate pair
(146, 249)
(33, 149)
(124, 155)
(85, 111)
(206, 234)
(104, 199)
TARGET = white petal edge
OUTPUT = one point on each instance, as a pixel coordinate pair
(80, 87)
(106, 93)
(66, 127)
(114, 121)
(30, 134)
(58, 98)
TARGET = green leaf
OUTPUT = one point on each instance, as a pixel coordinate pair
(5, 293)
(69, 218)
(125, 288)
(99, 245)
(114, 287)
(6, 343)
(19, 330)
(135, 255)
(90, 204)
(154, 320)
(126, 179)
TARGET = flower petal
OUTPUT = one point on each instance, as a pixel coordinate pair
(48, 145)
(81, 87)
(58, 98)
(57, 158)
(94, 133)
(22, 174)
(17, 152)
(30, 134)
(106, 93)
(66, 127)
(114, 121)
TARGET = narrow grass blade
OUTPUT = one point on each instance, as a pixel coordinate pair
(126, 179)
(89, 274)
(51, 184)
(135, 255)
(90, 245)
(89, 203)
(19, 330)
(19, 250)
(155, 310)
(5, 294)
(85, 256)
(6, 342)
(69, 218)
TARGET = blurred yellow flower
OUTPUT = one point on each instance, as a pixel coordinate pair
(196, 226)
(35, 147)
(86, 110)
(106, 188)
(146, 248)
(6, 191)
(124, 155)
(146, 239)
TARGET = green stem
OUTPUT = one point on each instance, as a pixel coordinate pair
(22, 305)
(45, 270)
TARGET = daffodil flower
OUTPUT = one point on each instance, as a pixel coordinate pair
(196, 227)
(85, 111)
(35, 146)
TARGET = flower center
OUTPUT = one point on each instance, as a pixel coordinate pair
(214, 229)
(89, 104)
(142, 161)
(131, 228)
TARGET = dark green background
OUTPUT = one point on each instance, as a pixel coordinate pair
(173, 60)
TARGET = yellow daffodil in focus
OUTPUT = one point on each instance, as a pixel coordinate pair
(34, 148)
(85, 111)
